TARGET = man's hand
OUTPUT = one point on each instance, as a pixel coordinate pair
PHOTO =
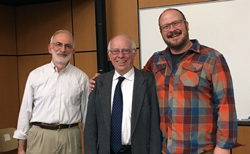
(219, 150)
(92, 81)
(21, 146)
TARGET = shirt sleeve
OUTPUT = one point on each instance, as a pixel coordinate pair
(25, 113)
(149, 65)
(84, 99)
(224, 102)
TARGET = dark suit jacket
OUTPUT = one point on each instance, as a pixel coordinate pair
(145, 121)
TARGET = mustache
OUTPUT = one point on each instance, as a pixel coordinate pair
(62, 53)
(172, 33)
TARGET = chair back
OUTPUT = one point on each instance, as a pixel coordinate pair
(7, 142)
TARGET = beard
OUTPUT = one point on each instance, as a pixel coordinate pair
(61, 60)
(176, 45)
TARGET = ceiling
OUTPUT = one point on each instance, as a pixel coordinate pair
(24, 2)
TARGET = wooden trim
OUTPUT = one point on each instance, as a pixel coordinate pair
(158, 3)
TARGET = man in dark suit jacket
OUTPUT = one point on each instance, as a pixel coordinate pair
(140, 118)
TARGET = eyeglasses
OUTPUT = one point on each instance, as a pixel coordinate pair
(124, 51)
(176, 23)
(59, 45)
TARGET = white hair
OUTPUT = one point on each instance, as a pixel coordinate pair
(65, 32)
(132, 41)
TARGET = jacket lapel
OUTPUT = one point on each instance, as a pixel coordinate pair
(138, 95)
(105, 95)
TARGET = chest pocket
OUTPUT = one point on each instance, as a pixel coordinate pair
(160, 68)
(159, 71)
(190, 74)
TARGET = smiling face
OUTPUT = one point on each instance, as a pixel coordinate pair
(122, 62)
(61, 49)
(176, 36)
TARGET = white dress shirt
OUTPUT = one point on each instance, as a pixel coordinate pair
(52, 97)
(127, 87)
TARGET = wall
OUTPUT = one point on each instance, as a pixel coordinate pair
(26, 33)
(9, 105)
(27, 29)
(244, 139)
(78, 18)
(160, 3)
(224, 28)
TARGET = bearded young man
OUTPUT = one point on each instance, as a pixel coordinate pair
(54, 102)
(195, 92)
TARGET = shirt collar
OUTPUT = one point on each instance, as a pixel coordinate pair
(129, 75)
(54, 68)
(194, 48)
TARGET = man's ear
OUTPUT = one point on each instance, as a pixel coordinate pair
(49, 48)
(187, 25)
(135, 51)
(108, 55)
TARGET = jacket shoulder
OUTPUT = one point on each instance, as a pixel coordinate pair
(145, 74)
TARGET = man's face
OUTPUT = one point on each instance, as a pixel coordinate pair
(61, 49)
(176, 34)
(123, 61)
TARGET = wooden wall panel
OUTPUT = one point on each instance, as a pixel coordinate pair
(9, 106)
(84, 24)
(122, 17)
(244, 139)
(25, 65)
(87, 63)
(137, 60)
(157, 3)
(37, 23)
(7, 30)
(11, 152)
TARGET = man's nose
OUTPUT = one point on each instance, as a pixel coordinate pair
(171, 27)
(62, 48)
(120, 54)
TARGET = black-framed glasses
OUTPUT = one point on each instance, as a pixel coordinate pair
(124, 51)
(175, 24)
(59, 45)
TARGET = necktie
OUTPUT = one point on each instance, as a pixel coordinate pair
(116, 118)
